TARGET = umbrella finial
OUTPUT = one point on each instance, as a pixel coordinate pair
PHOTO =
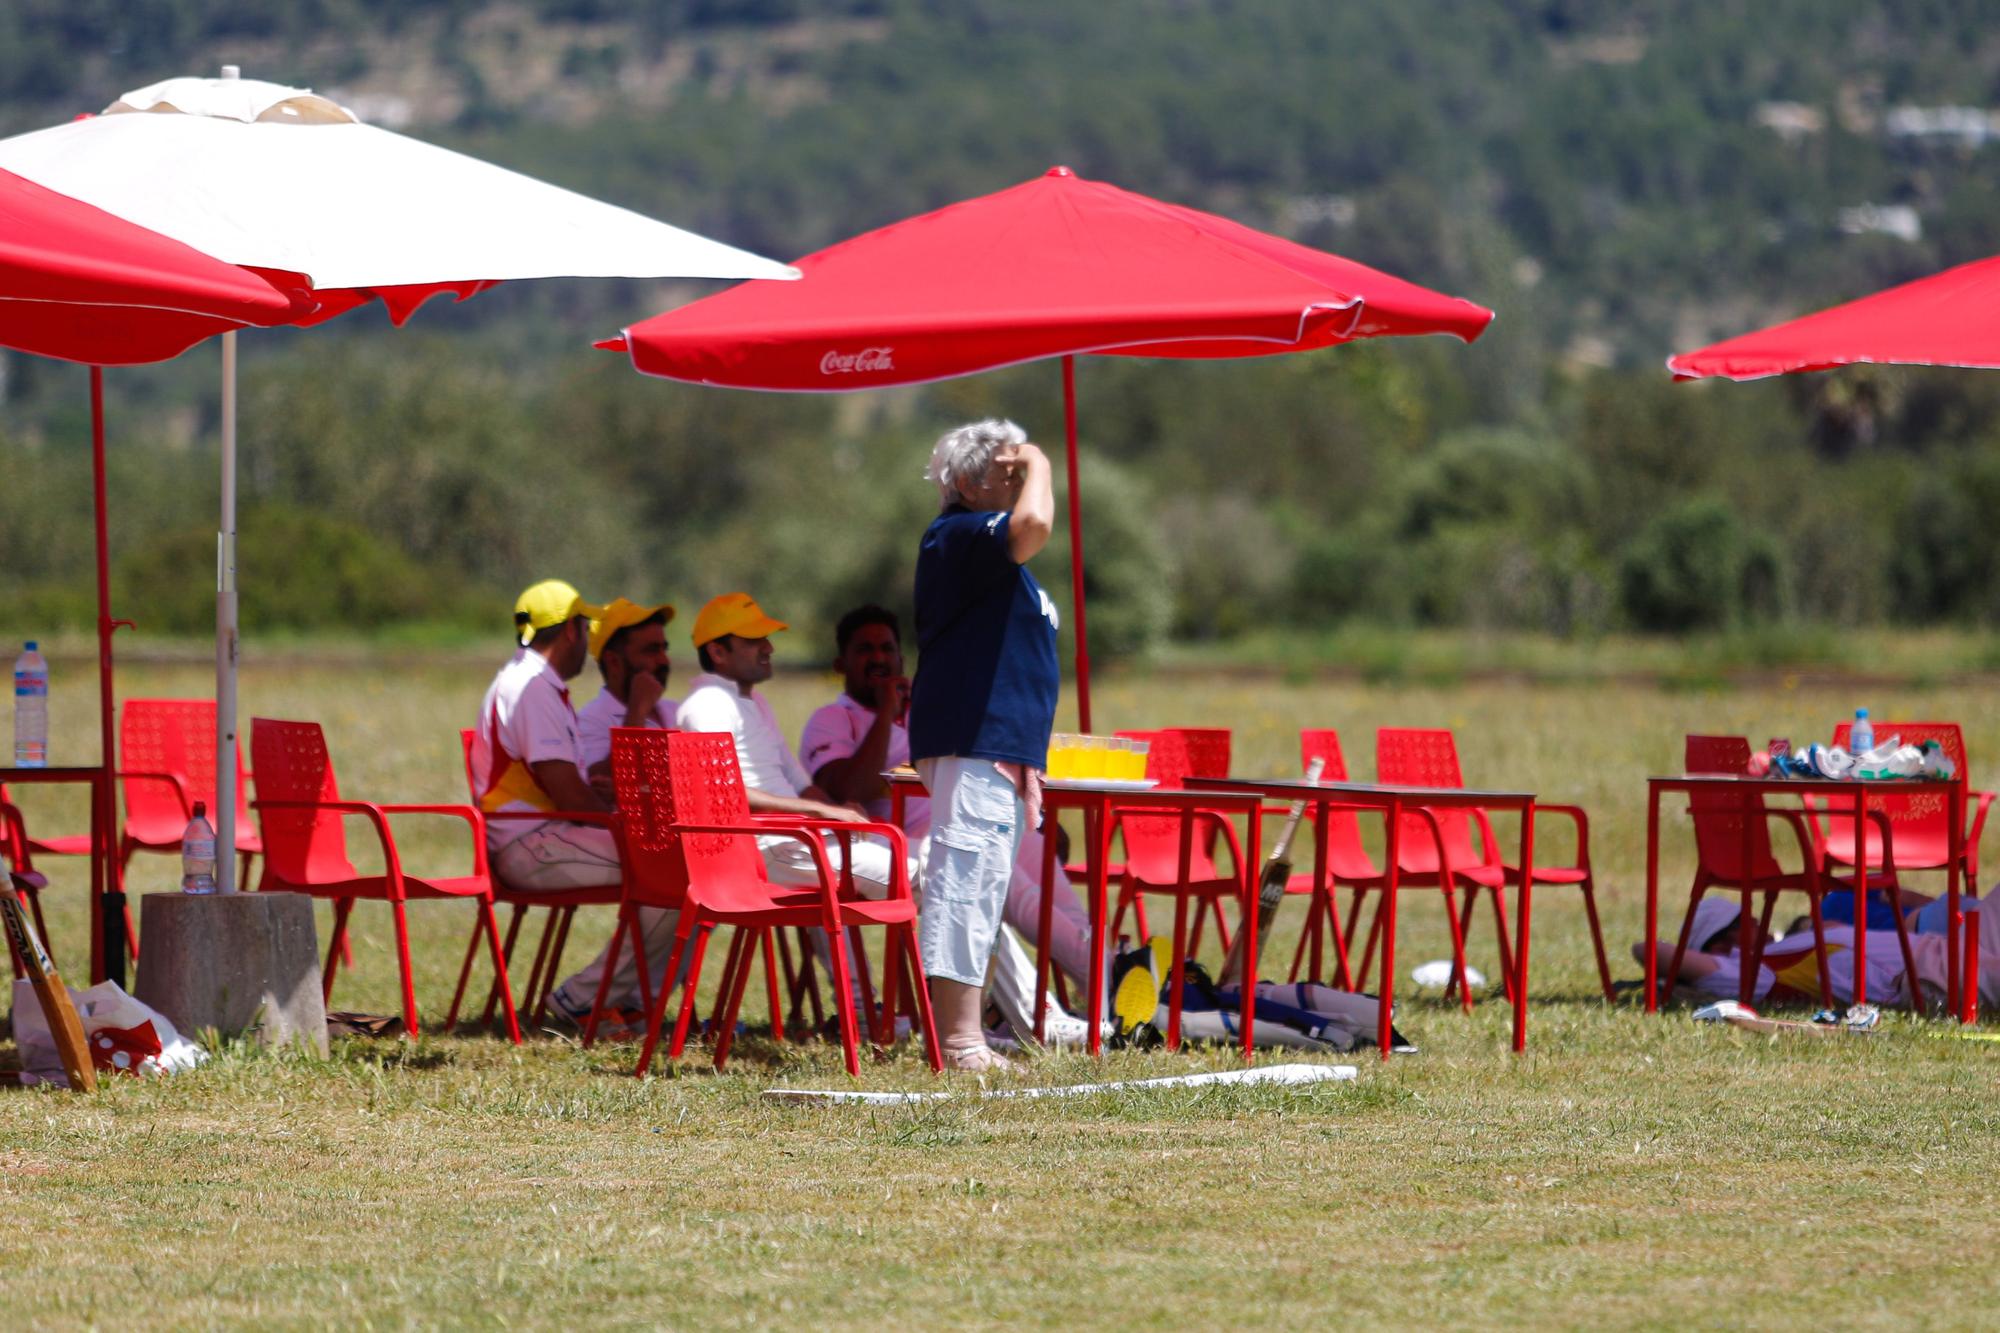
(1059, 171)
(232, 71)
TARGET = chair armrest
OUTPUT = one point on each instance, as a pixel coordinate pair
(171, 779)
(474, 818)
(1981, 800)
(1222, 822)
(1574, 813)
(15, 843)
(391, 862)
(1429, 816)
(604, 817)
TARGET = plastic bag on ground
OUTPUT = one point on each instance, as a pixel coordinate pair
(124, 1035)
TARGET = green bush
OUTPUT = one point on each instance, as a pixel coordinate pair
(295, 570)
(1697, 565)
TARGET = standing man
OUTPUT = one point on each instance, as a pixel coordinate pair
(982, 708)
(527, 757)
(847, 745)
(629, 642)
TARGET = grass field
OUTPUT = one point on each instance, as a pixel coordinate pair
(1625, 1170)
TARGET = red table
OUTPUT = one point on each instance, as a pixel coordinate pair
(107, 935)
(1098, 802)
(1392, 801)
(1962, 979)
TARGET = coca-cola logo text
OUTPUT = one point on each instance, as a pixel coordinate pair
(866, 360)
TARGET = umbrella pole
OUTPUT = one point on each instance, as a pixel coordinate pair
(1076, 549)
(225, 636)
(107, 883)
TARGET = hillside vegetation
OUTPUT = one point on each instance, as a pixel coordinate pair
(1618, 181)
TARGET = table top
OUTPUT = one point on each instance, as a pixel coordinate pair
(1799, 784)
(1372, 792)
(67, 773)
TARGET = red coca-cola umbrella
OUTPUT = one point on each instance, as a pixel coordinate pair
(82, 285)
(1056, 266)
(1948, 319)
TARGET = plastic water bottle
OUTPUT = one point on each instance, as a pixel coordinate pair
(31, 708)
(1861, 737)
(198, 853)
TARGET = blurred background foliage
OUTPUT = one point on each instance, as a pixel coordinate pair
(1617, 180)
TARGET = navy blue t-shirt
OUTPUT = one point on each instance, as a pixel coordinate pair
(986, 634)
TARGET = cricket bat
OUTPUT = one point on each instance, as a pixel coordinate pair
(64, 1025)
(1271, 887)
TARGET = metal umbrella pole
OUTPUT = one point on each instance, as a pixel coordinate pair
(225, 636)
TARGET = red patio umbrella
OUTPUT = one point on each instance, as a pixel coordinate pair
(1948, 319)
(79, 284)
(1056, 266)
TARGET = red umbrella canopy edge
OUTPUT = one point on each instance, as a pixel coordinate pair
(85, 285)
(1948, 319)
(1055, 266)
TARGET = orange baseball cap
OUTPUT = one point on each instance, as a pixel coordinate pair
(733, 613)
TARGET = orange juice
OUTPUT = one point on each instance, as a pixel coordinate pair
(1062, 756)
(1127, 763)
(1091, 758)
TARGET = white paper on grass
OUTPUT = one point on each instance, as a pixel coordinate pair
(1285, 1074)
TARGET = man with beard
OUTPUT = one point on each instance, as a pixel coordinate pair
(846, 746)
(629, 642)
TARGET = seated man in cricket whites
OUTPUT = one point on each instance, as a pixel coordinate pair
(527, 757)
(848, 744)
(629, 642)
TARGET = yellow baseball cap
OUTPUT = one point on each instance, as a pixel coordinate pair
(733, 613)
(621, 614)
(550, 602)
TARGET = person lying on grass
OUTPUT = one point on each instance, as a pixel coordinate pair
(1789, 969)
(850, 742)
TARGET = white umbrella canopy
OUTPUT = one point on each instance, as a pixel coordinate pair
(273, 177)
(267, 176)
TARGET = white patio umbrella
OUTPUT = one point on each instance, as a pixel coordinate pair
(271, 177)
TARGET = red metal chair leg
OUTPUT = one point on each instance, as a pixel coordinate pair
(1177, 981)
(1458, 977)
(396, 907)
(492, 921)
(492, 992)
(627, 922)
(552, 972)
(336, 947)
(464, 975)
(926, 1024)
(687, 998)
(657, 1014)
(1597, 940)
(770, 940)
(745, 947)
(843, 1000)
(731, 964)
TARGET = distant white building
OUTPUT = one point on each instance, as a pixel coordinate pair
(1898, 220)
(1969, 126)
(1790, 121)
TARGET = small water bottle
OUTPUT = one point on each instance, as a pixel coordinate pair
(198, 853)
(1861, 737)
(31, 709)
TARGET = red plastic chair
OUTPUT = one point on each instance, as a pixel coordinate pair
(167, 763)
(687, 837)
(1922, 839)
(561, 905)
(1733, 851)
(1348, 863)
(301, 811)
(1153, 846)
(1428, 757)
